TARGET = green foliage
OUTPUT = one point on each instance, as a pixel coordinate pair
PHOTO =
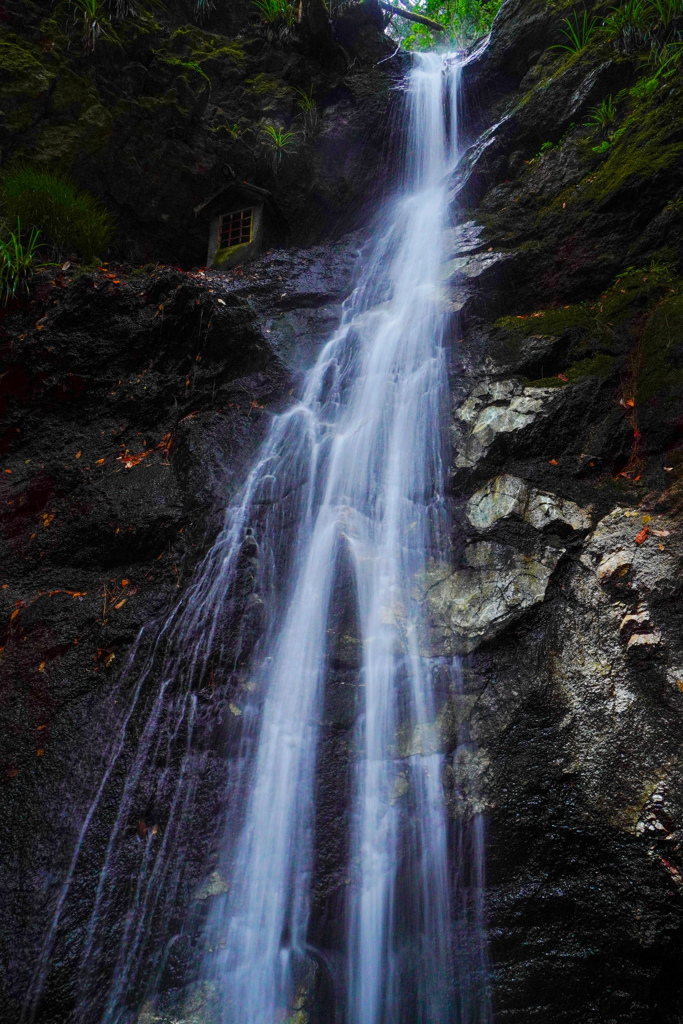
(644, 88)
(602, 114)
(305, 100)
(464, 19)
(278, 140)
(578, 32)
(665, 60)
(276, 11)
(309, 110)
(234, 131)
(666, 10)
(628, 21)
(70, 219)
(94, 21)
(18, 263)
(637, 22)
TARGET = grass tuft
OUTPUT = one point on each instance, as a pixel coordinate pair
(68, 218)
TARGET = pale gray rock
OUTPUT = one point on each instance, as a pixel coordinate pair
(495, 588)
(493, 408)
(506, 496)
(214, 885)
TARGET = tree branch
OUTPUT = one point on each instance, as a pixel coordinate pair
(419, 18)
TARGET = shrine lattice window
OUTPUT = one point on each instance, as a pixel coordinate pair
(235, 228)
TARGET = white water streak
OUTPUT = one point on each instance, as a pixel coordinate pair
(370, 434)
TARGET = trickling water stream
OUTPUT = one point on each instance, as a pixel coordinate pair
(351, 476)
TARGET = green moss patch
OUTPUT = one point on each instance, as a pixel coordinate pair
(552, 321)
(22, 72)
(647, 144)
(198, 46)
(223, 256)
(600, 365)
(187, 69)
(661, 368)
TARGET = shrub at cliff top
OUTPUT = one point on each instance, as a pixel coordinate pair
(71, 220)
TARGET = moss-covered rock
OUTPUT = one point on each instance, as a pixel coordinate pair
(136, 120)
(661, 366)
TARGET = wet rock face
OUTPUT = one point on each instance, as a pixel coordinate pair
(132, 405)
(496, 587)
(564, 595)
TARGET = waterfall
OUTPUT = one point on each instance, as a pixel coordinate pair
(369, 450)
(349, 482)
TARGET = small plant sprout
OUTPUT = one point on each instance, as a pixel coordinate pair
(94, 19)
(278, 142)
(18, 263)
(578, 32)
(305, 100)
(629, 20)
(274, 11)
(309, 110)
(202, 9)
(602, 114)
(234, 131)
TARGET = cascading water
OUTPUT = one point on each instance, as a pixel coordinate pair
(352, 476)
(368, 434)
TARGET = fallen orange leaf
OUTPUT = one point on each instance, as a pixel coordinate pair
(552, 462)
(120, 603)
(642, 536)
(99, 462)
(41, 667)
(39, 753)
(78, 455)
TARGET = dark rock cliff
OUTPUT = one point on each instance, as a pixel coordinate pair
(565, 601)
(132, 402)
